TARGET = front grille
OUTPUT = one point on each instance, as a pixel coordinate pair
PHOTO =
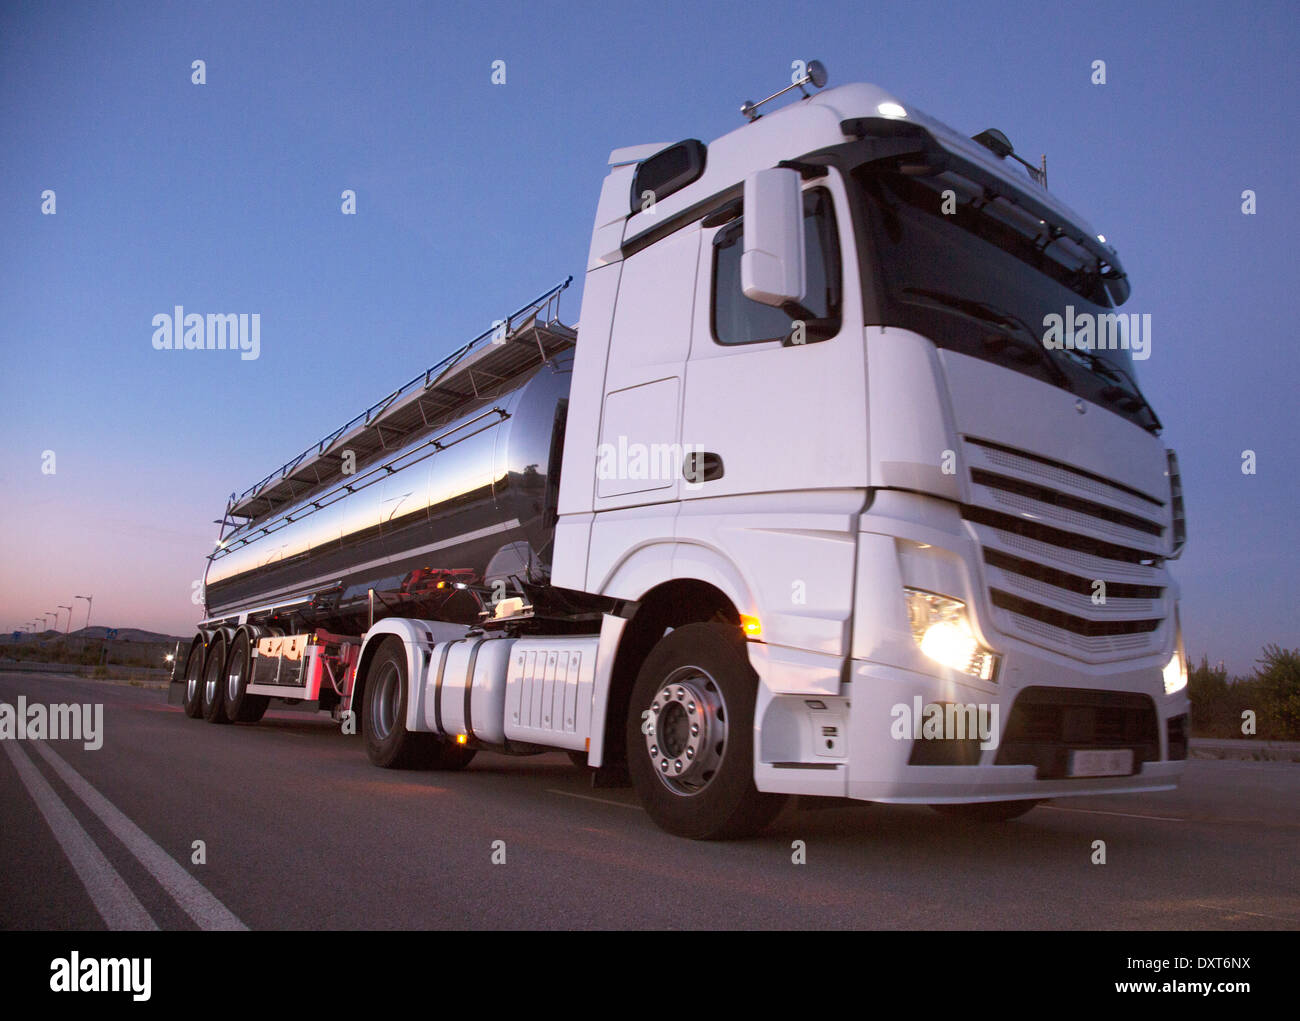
(1047, 723)
(1072, 561)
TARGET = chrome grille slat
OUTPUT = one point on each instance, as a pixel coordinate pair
(1073, 602)
(1095, 649)
(1064, 479)
(1049, 530)
(1075, 561)
(1072, 520)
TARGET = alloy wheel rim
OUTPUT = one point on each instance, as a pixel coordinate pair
(685, 729)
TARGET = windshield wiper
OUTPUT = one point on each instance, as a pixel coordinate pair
(1012, 327)
(1133, 399)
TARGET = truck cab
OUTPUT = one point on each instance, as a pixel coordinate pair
(816, 384)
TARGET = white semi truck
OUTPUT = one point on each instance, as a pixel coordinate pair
(806, 506)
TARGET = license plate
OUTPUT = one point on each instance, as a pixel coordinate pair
(1100, 762)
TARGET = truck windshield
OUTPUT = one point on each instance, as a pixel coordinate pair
(985, 278)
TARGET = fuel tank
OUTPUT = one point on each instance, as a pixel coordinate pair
(463, 508)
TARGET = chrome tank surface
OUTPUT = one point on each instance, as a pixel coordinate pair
(478, 510)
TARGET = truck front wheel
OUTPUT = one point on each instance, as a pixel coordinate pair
(690, 727)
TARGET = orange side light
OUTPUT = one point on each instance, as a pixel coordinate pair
(751, 626)
(462, 738)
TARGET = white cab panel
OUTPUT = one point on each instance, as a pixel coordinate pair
(647, 353)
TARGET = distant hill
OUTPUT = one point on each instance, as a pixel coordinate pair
(124, 634)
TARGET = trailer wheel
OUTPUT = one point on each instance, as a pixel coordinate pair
(194, 680)
(987, 811)
(240, 706)
(690, 736)
(389, 744)
(214, 690)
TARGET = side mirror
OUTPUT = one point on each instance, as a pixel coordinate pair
(772, 269)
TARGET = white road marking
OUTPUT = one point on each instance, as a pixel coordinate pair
(191, 895)
(1241, 911)
(1122, 815)
(588, 797)
(117, 905)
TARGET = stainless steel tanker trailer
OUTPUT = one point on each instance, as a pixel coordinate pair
(437, 503)
(809, 508)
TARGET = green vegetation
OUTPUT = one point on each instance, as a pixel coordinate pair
(1272, 693)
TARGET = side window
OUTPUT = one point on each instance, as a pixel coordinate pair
(738, 320)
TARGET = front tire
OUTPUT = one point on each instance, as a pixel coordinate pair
(690, 728)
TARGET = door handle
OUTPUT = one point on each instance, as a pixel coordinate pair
(702, 466)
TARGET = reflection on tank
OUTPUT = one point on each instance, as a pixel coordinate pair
(437, 538)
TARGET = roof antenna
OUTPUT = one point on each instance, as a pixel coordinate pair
(815, 74)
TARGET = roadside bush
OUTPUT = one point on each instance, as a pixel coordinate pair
(1277, 680)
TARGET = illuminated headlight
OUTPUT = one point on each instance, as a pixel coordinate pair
(943, 632)
(1175, 673)
(1176, 669)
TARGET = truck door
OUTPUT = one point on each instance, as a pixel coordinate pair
(767, 409)
(640, 429)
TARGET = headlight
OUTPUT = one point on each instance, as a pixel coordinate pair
(1175, 673)
(942, 631)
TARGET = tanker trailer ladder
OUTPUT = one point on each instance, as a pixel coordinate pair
(472, 375)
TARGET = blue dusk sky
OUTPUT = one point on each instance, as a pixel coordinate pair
(473, 197)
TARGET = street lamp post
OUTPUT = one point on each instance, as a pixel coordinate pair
(89, 600)
(47, 615)
(68, 629)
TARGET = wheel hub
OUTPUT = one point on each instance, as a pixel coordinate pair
(685, 729)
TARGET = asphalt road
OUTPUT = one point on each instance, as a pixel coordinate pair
(301, 832)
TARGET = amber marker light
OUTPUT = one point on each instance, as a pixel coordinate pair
(751, 626)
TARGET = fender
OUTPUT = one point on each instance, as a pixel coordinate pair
(648, 566)
(418, 638)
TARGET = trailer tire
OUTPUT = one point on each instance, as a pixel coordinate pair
(240, 706)
(389, 744)
(988, 811)
(194, 679)
(694, 770)
(214, 676)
